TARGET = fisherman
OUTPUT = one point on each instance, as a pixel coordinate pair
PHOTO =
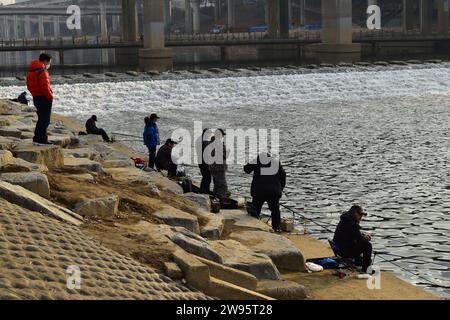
(38, 83)
(269, 180)
(91, 128)
(164, 159)
(151, 138)
(351, 241)
(218, 167)
(202, 143)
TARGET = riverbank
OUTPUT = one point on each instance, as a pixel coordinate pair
(91, 193)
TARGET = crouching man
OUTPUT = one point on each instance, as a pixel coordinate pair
(164, 159)
(351, 241)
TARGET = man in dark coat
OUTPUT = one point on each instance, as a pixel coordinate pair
(201, 144)
(164, 159)
(91, 128)
(269, 180)
(218, 167)
(351, 241)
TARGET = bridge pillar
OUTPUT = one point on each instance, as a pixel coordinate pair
(128, 56)
(302, 12)
(443, 15)
(104, 30)
(273, 7)
(426, 16)
(27, 35)
(187, 17)
(196, 16)
(168, 14)
(129, 18)
(115, 23)
(154, 56)
(56, 27)
(41, 32)
(217, 11)
(231, 14)
(337, 44)
(284, 18)
(408, 17)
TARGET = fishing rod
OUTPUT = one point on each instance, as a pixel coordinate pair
(411, 259)
(428, 281)
(127, 135)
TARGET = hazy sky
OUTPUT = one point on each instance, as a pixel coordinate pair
(6, 1)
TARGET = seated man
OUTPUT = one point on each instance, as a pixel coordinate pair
(91, 128)
(351, 241)
(164, 159)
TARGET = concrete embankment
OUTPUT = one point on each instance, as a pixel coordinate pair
(81, 203)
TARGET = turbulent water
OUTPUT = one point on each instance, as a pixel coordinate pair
(376, 136)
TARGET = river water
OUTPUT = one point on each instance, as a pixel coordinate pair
(377, 136)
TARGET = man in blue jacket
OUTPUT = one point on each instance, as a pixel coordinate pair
(151, 138)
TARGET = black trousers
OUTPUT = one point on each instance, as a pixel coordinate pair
(274, 207)
(100, 132)
(363, 248)
(44, 113)
(205, 185)
(170, 167)
(151, 157)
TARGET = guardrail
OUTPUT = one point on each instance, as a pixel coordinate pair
(297, 36)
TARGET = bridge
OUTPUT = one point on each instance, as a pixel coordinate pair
(153, 49)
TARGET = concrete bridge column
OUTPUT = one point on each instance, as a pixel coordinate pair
(27, 35)
(128, 56)
(104, 30)
(284, 18)
(443, 15)
(41, 32)
(154, 56)
(56, 27)
(302, 12)
(426, 16)
(168, 14)
(273, 18)
(187, 17)
(337, 43)
(231, 14)
(115, 23)
(15, 27)
(408, 19)
(216, 11)
(129, 18)
(196, 16)
(103, 19)
(372, 2)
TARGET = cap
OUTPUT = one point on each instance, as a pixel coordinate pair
(171, 141)
(154, 116)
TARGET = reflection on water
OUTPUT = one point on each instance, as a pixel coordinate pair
(377, 138)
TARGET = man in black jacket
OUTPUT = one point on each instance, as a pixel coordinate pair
(351, 241)
(269, 180)
(201, 144)
(164, 159)
(91, 128)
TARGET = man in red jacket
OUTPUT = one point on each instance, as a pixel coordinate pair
(38, 83)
